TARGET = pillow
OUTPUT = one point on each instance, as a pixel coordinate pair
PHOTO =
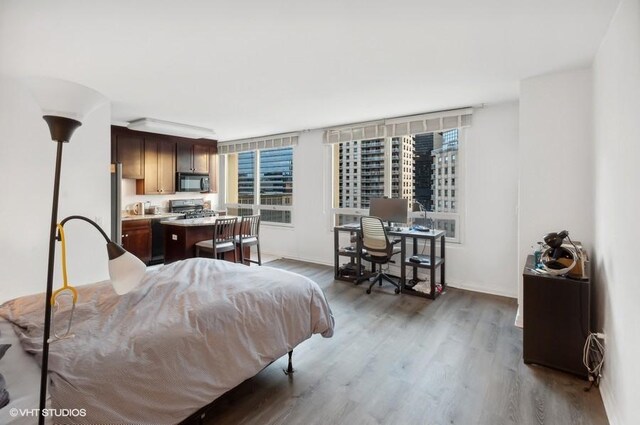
(4, 394)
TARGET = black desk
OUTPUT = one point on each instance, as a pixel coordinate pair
(425, 263)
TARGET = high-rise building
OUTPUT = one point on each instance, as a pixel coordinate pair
(423, 184)
(362, 171)
(275, 179)
(445, 156)
(402, 170)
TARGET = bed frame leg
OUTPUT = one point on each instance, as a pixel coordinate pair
(289, 370)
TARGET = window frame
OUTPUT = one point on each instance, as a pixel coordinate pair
(256, 206)
(458, 216)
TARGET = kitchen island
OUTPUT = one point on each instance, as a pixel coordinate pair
(181, 237)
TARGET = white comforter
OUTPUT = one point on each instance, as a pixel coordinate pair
(192, 330)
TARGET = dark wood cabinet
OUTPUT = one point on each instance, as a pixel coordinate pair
(192, 157)
(128, 149)
(136, 238)
(556, 320)
(159, 167)
(180, 241)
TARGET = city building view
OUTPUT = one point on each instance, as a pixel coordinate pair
(422, 169)
(271, 173)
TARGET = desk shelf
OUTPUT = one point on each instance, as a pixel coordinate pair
(409, 290)
(425, 262)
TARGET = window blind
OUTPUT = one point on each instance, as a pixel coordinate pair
(257, 143)
(400, 126)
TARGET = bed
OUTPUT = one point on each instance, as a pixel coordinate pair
(190, 332)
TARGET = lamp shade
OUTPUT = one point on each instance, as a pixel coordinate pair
(61, 98)
(126, 272)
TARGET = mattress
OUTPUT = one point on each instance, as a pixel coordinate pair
(22, 374)
(190, 332)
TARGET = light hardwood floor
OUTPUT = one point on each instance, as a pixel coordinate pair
(398, 359)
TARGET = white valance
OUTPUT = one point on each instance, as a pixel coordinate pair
(400, 126)
(257, 143)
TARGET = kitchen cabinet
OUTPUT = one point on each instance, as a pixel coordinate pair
(192, 157)
(128, 149)
(136, 238)
(159, 167)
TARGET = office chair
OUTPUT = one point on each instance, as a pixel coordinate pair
(223, 239)
(249, 235)
(379, 249)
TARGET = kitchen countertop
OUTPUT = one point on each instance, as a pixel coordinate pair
(193, 222)
(126, 217)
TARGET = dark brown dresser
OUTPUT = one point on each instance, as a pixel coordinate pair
(556, 320)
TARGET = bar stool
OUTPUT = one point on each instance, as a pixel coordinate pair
(223, 239)
(248, 235)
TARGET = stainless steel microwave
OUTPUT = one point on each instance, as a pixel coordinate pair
(189, 182)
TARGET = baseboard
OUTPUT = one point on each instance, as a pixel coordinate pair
(396, 270)
(478, 288)
(609, 402)
(297, 258)
(519, 321)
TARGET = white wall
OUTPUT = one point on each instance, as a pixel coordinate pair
(486, 259)
(617, 202)
(129, 197)
(310, 238)
(555, 162)
(27, 160)
(491, 197)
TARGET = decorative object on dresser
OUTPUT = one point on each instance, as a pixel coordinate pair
(64, 106)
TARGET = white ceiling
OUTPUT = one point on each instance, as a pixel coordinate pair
(252, 68)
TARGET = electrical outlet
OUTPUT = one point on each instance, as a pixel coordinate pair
(174, 237)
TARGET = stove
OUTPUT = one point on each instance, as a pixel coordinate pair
(199, 213)
(191, 208)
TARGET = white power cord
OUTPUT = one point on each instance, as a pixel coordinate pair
(593, 356)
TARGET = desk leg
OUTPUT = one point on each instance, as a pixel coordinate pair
(442, 274)
(403, 268)
(336, 257)
(432, 276)
(415, 252)
(359, 276)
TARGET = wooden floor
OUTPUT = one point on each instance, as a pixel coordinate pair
(398, 359)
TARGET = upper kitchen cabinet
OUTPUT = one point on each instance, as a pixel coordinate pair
(128, 148)
(159, 167)
(192, 157)
(153, 159)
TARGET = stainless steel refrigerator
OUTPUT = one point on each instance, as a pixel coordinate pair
(116, 203)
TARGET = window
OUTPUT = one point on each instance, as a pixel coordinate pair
(418, 168)
(261, 182)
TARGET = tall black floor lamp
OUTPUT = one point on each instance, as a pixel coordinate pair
(66, 99)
